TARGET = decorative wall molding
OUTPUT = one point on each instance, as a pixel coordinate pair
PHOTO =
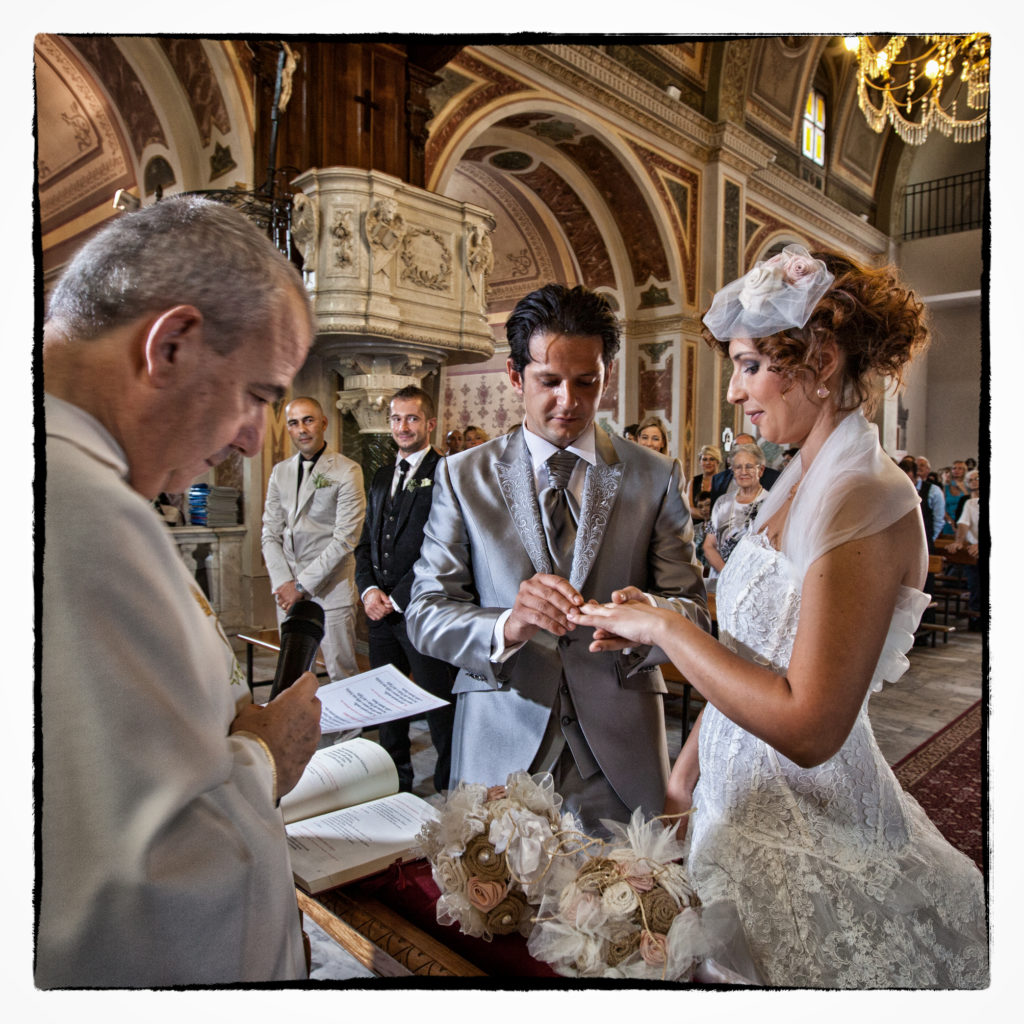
(603, 80)
(808, 206)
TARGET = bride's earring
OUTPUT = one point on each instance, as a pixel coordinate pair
(823, 392)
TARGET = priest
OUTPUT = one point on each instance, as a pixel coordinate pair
(164, 859)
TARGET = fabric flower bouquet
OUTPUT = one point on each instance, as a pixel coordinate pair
(492, 853)
(507, 859)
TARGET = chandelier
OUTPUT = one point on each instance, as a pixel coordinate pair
(916, 82)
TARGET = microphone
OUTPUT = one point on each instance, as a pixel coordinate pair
(301, 633)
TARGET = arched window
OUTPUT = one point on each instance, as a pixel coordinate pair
(813, 146)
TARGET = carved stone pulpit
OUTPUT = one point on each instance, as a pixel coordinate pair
(398, 279)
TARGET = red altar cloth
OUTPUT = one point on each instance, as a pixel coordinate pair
(409, 890)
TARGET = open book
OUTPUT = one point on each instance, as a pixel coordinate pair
(345, 818)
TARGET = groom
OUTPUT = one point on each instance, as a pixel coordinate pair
(515, 538)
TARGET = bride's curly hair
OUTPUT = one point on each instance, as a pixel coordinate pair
(876, 321)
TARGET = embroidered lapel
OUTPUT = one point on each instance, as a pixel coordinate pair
(515, 478)
(600, 489)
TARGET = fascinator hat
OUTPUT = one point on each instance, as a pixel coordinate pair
(777, 294)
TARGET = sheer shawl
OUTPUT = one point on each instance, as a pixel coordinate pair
(852, 489)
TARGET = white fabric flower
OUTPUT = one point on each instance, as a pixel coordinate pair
(619, 899)
(759, 285)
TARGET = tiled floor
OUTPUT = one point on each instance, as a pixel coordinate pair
(941, 683)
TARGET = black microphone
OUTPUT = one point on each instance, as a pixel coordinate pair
(301, 633)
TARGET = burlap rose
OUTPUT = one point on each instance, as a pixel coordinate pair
(484, 894)
(505, 917)
(622, 947)
(659, 909)
(619, 899)
(482, 860)
(654, 948)
(597, 874)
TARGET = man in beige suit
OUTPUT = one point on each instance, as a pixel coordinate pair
(500, 567)
(312, 520)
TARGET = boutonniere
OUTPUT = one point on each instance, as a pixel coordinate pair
(423, 481)
(321, 480)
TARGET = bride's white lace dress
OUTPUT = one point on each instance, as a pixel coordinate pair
(838, 876)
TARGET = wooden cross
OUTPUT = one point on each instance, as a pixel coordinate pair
(368, 107)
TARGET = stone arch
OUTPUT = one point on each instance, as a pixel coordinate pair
(127, 102)
(622, 218)
(606, 172)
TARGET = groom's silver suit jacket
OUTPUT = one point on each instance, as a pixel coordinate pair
(484, 536)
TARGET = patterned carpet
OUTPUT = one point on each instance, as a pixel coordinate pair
(945, 776)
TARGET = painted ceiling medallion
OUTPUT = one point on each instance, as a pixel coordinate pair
(512, 160)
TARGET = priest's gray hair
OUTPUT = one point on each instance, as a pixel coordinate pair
(184, 250)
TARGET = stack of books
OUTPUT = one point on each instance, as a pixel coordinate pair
(212, 506)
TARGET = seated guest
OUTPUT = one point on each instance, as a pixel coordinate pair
(630, 432)
(164, 860)
(701, 488)
(925, 471)
(724, 481)
(909, 466)
(701, 515)
(954, 491)
(653, 434)
(453, 442)
(733, 513)
(930, 495)
(967, 537)
(474, 436)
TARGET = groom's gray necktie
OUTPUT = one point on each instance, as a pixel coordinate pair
(560, 512)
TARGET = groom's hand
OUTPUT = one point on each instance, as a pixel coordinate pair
(542, 602)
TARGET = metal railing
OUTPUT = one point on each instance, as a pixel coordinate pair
(944, 206)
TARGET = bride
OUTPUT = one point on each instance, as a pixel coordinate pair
(838, 876)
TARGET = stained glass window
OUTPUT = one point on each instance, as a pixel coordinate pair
(814, 128)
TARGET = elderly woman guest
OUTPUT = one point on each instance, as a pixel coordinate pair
(733, 513)
(701, 487)
(799, 826)
(652, 434)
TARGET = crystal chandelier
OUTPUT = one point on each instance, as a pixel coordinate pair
(916, 82)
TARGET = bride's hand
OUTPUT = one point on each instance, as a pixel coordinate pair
(679, 810)
(631, 622)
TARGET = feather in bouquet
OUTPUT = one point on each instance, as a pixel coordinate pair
(629, 912)
(496, 850)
